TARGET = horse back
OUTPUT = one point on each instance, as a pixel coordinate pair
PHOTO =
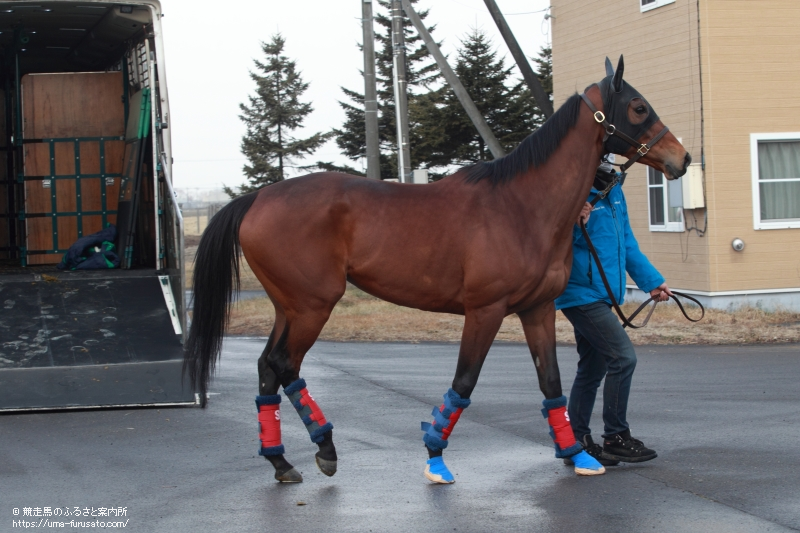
(439, 247)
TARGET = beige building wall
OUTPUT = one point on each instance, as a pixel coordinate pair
(749, 56)
(751, 73)
(661, 62)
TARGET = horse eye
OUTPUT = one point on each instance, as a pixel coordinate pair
(641, 110)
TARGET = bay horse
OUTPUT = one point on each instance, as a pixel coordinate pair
(490, 240)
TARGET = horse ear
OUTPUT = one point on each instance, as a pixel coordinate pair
(617, 83)
(609, 68)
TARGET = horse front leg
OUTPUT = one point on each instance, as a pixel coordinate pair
(539, 326)
(480, 329)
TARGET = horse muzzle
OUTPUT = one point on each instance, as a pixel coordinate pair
(674, 172)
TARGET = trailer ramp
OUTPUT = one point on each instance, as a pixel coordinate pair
(88, 339)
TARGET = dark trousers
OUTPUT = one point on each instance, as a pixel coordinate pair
(605, 350)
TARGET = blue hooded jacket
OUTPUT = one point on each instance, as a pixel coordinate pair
(610, 231)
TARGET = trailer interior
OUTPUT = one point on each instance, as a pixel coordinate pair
(84, 146)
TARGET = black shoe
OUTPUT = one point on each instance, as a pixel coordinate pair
(595, 450)
(625, 448)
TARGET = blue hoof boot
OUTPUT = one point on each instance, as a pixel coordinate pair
(437, 472)
(586, 465)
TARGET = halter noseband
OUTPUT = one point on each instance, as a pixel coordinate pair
(641, 148)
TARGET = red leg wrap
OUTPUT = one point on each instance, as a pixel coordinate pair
(316, 413)
(559, 421)
(269, 419)
(453, 419)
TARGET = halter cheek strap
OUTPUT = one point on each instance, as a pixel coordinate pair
(641, 148)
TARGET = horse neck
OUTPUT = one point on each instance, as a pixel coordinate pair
(565, 179)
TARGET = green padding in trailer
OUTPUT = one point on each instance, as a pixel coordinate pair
(138, 115)
(144, 121)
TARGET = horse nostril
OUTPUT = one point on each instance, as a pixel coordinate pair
(687, 160)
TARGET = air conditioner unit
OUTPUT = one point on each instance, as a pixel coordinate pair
(693, 187)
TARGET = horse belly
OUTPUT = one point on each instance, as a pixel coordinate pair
(409, 277)
(401, 260)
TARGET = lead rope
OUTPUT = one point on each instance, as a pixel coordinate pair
(628, 322)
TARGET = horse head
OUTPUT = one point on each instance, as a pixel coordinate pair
(633, 128)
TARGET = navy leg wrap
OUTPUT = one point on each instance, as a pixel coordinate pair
(444, 419)
(309, 411)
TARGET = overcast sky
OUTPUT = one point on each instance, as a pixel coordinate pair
(210, 47)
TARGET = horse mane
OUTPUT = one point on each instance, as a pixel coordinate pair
(533, 150)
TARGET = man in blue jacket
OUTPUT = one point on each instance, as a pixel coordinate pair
(604, 348)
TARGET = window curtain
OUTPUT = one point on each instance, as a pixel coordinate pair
(779, 179)
(675, 199)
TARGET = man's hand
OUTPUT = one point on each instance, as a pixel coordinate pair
(585, 212)
(661, 293)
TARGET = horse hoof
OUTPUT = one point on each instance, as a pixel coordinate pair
(437, 472)
(290, 476)
(589, 471)
(326, 467)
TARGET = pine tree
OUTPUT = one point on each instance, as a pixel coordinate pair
(506, 105)
(545, 70)
(273, 114)
(421, 72)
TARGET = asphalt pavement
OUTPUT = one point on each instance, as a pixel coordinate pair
(724, 420)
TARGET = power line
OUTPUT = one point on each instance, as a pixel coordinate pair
(527, 12)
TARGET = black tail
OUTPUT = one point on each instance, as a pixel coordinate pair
(216, 275)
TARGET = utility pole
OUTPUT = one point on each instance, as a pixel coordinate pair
(461, 93)
(400, 93)
(522, 62)
(370, 93)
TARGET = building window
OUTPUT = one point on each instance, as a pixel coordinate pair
(775, 170)
(647, 5)
(664, 202)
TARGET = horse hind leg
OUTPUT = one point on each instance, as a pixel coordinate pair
(285, 360)
(269, 413)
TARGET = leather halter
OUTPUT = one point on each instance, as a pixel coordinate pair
(641, 148)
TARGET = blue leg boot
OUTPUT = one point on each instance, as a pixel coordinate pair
(437, 471)
(438, 431)
(586, 465)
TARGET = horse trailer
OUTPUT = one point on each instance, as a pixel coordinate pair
(85, 139)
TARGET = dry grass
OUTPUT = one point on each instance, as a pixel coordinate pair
(361, 317)
(194, 225)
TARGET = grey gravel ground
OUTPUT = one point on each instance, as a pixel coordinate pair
(725, 421)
